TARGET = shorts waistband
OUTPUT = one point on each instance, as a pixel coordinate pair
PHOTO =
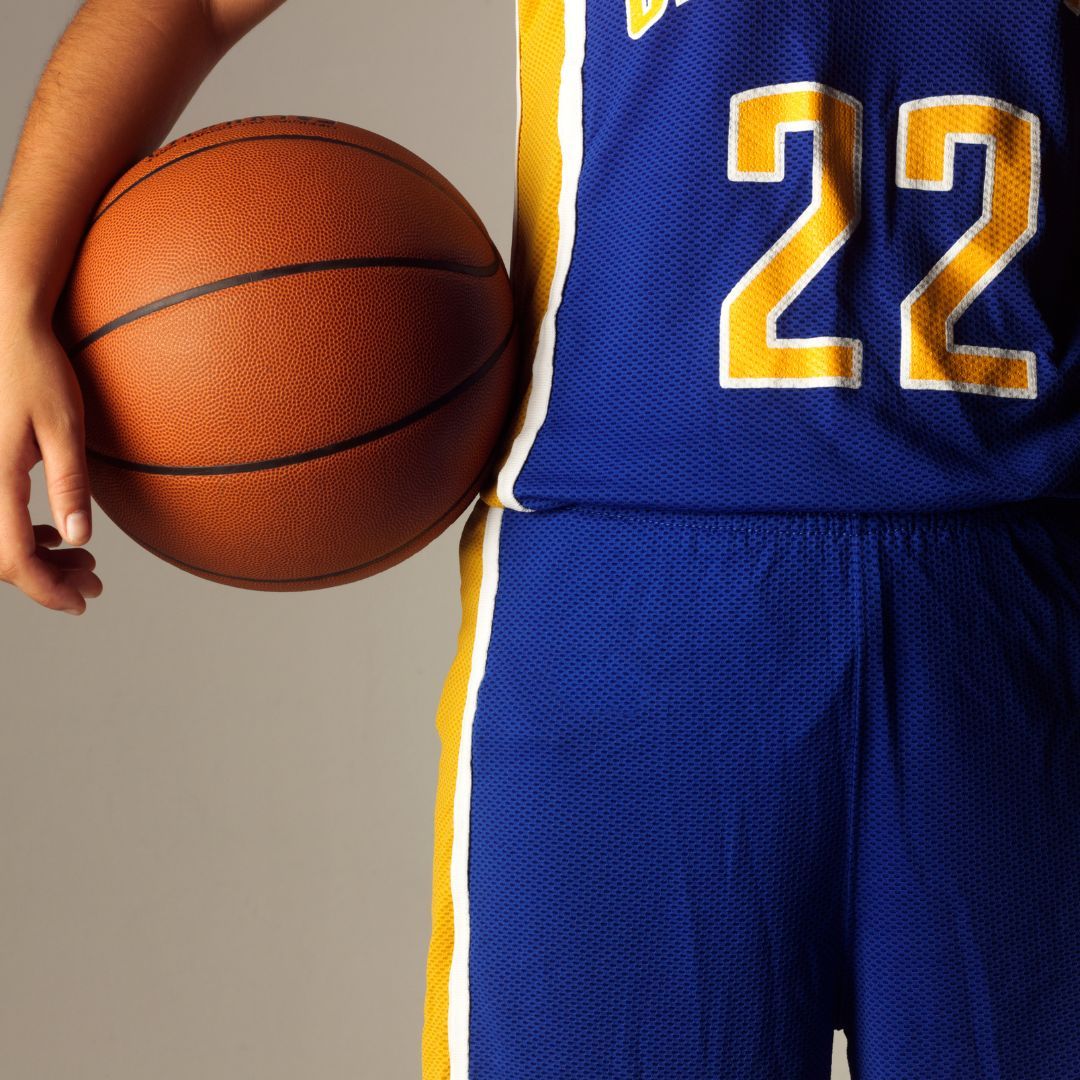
(1045, 511)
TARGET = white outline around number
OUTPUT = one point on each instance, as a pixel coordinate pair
(946, 184)
(774, 177)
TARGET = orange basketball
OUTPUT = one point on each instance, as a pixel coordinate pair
(297, 350)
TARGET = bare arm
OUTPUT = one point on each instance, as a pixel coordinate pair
(120, 75)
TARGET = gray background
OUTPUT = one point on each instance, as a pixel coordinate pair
(216, 804)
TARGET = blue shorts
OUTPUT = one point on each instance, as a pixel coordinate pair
(713, 785)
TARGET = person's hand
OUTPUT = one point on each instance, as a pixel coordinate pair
(41, 419)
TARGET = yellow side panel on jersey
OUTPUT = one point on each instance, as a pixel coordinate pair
(541, 52)
(452, 706)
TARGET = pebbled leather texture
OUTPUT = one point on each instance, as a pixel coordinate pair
(297, 349)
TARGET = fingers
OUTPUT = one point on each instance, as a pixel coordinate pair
(42, 418)
(75, 564)
(68, 559)
(87, 582)
(20, 561)
(47, 536)
(63, 452)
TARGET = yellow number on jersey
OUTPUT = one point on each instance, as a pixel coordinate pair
(641, 14)
(929, 131)
(751, 354)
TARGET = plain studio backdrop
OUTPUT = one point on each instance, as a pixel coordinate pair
(216, 804)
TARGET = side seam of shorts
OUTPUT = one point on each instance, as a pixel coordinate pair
(445, 1041)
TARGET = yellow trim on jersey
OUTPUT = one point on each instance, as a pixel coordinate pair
(535, 242)
(452, 705)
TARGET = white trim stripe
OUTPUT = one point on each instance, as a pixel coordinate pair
(458, 1014)
(571, 133)
(517, 114)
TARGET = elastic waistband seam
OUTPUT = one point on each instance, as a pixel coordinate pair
(885, 522)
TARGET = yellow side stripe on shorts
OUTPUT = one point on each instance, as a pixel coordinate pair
(445, 1035)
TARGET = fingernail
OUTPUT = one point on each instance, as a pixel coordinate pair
(78, 527)
(74, 610)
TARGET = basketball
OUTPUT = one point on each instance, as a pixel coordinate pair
(297, 351)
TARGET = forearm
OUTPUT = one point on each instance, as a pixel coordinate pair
(116, 82)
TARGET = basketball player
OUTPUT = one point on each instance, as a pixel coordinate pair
(765, 716)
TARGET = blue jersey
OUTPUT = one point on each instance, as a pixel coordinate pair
(796, 257)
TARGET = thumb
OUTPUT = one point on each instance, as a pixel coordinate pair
(63, 453)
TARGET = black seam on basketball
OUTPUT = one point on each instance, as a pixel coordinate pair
(322, 451)
(286, 270)
(469, 494)
(458, 201)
